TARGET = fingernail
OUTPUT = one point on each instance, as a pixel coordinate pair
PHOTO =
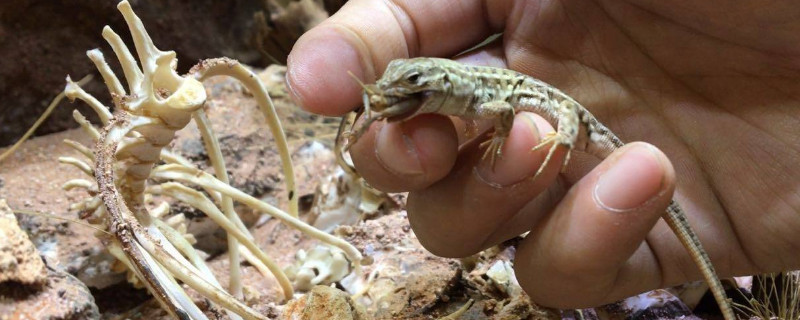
(508, 170)
(396, 151)
(631, 182)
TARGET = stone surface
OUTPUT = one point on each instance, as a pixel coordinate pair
(47, 40)
(324, 303)
(44, 41)
(32, 181)
(19, 259)
(63, 298)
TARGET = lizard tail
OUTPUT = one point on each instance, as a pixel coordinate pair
(680, 226)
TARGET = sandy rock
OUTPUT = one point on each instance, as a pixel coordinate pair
(19, 259)
(63, 298)
(323, 303)
(408, 280)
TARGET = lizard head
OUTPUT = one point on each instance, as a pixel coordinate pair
(399, 92)
(404, 84)
(403, 80)
(407, 77)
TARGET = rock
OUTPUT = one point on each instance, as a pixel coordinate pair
(33, 179)
(44, 47)
(19, 259)
(27, 289)
(406, 280)
(323, 303)
(63, 298)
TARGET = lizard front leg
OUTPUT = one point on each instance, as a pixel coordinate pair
(502, 113)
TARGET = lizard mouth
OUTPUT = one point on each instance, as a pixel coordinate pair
(402, 109)
(398, 110)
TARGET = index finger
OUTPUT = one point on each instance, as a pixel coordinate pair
(364, 35)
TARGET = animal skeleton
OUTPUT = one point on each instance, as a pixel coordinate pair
(157, 103)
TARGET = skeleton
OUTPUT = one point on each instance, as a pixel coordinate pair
(157, 103)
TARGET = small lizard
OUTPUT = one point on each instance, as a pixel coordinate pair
(431, 85)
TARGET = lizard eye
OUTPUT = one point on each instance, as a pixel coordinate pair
(412, 77)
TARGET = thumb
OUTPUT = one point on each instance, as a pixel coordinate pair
(591, 249)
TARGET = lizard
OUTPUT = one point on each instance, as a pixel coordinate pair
(410, 87)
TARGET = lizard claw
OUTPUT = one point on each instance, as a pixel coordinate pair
(555, 139)
(494, 147)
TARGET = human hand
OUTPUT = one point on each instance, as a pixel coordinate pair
(716, 88)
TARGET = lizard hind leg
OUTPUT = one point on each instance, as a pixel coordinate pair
(553, 139)
(568, 128)
(493, 147)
